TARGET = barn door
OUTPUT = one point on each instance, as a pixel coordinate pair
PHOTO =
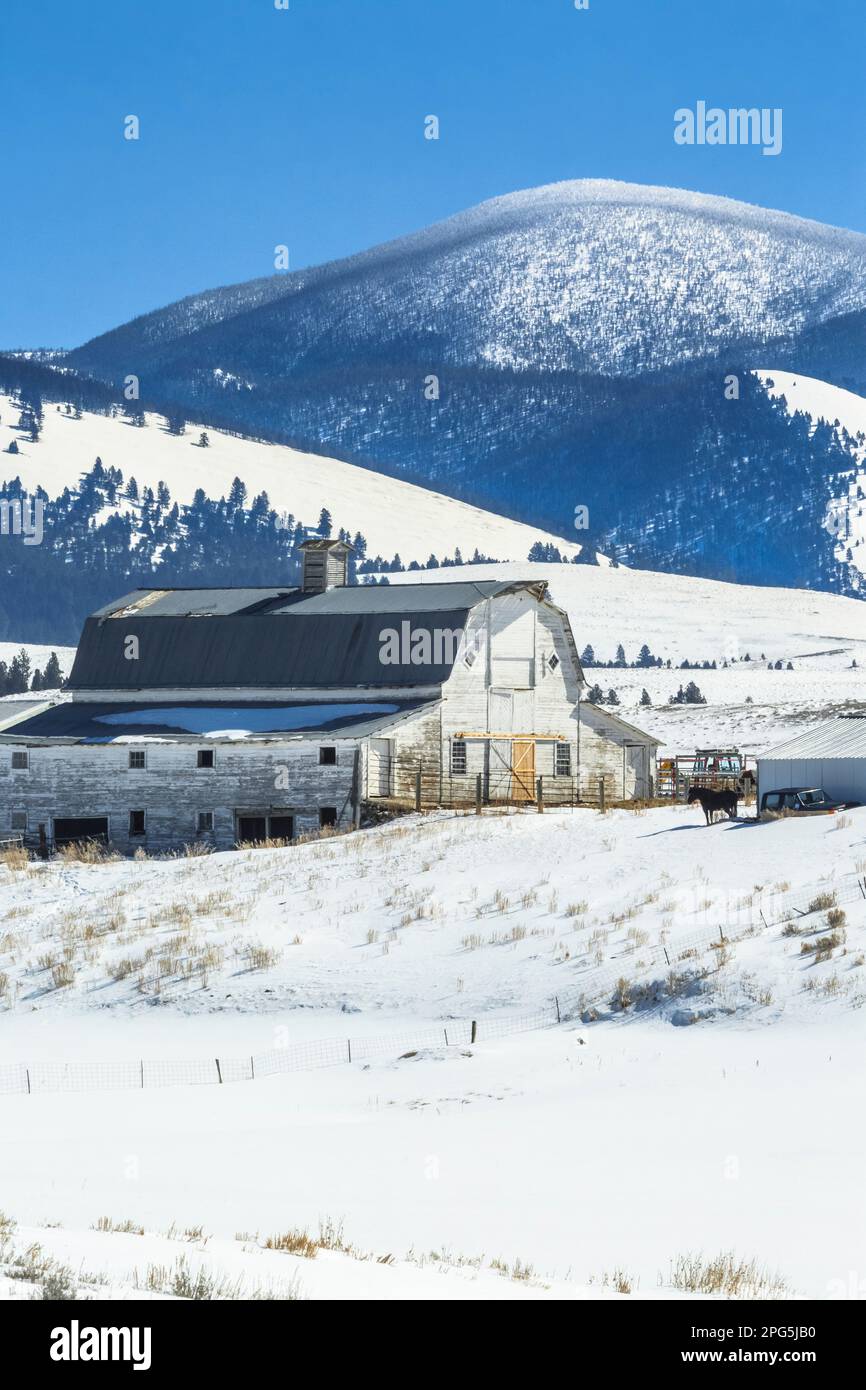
(523, 770)
(638, 761)
(499, 770)
(379, 767)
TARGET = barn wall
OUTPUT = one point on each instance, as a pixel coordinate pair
(74, 780)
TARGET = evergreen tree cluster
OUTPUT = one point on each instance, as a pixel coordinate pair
(17, 678)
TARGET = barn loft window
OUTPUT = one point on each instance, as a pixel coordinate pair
(469, 658)
(205, 757)
(562, 760)
(553, 661)
(137, 758)
(327, 757)
(136, 823)
(20, 760)
(19, 820)
(205, 822)
(458, 756)
(327, 816)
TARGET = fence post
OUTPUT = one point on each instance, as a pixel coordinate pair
(219, 1072)
(474, 1031)
(418, 789)
(478, 795)
(349, 1047)
(445, 1031)
(252, 1068)
(539, 795)
(601, 793)
(28, 1080)
(141, 1068)
(556, 1002)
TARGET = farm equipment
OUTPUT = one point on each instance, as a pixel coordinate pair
(722, 769)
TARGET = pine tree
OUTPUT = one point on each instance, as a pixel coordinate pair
(612, 697)
(326, 524)
(644, 698)
(52, 676)
(595, 695)
(587, 656)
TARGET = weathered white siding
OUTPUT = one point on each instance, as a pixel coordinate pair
(71, 781)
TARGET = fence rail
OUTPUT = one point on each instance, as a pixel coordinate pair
(599, 988)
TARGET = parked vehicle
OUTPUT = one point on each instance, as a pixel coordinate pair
(802, 801)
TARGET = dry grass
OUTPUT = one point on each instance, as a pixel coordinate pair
(727, 1276)
(294, 1243)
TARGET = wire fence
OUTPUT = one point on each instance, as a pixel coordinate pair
(602, 987)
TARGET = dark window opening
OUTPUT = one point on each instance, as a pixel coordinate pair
(327, 816)
(205, 757)
(205, 822)
(458, 756)
(137, 758)
(281, 827)
(327, 757)
(136, 823)
(19, 820)
(72, 830)
(562, 763)
(20, 759)
(252, 829)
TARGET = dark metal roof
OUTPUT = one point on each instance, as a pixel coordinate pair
(183, 603)
(198, 721)
(277, 638)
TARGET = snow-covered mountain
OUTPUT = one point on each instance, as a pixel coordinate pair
(563, 346)
(590, 276)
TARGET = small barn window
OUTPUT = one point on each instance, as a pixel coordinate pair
(327, 816)
(136, 823)
(458, 756)
(562, 760)
(327, 757)
(20, 759)
(469, 657)
(137, 758)
(205, 757)
(205, 822)
(19, 820)
(553, 661)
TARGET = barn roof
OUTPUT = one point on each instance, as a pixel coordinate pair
(196, 720)
(843, 737)
(278, 638)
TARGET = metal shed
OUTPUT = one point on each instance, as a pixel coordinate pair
(831, 755)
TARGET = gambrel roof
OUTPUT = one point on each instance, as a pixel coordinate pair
(272, 638)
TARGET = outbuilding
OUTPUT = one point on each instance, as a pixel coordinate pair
(831, 755)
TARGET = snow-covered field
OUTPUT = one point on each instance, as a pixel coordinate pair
(391, 514)
(703, 1106)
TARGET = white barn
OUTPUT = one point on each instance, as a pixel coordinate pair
(831, 755)
(235, 715)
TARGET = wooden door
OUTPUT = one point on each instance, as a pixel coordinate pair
(379, 767)
(523, 770)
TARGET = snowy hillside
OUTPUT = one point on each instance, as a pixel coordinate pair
(845, 413)
(393, 515)
(750, 1043)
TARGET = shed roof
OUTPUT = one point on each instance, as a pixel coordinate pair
(843, 737)
(195, 721)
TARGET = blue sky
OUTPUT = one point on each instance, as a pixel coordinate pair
(305, 127)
